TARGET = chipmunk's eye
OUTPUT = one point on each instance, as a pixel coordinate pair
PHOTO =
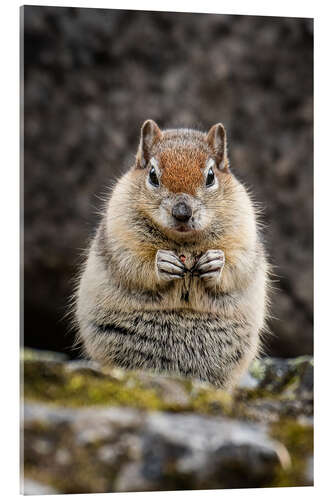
(210, 179)
(153, 179)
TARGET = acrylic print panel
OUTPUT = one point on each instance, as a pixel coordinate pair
(129, 387)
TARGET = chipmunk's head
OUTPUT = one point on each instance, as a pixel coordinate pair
(181, 174)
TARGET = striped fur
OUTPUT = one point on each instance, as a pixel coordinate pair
(127, 316)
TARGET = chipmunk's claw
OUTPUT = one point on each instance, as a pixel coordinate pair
(210, 265)
(169, 266)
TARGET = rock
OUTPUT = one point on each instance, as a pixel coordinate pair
(168, 388)
(39, 354)
(31, 487)
(284, 387)
(289, 376)
(309, 471)
(248, 381)
(86, 430)
(210, 451)
(275, 374)
(164, 449)
(85, 367)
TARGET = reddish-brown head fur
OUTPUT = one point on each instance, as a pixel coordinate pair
(182, 154)
(182, 169)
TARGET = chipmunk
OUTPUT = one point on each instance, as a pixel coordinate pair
(176, 276)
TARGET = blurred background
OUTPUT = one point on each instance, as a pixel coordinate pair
(92, 76)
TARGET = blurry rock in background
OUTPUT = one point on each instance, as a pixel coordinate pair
(92, 76)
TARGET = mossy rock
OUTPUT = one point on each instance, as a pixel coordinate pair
(58, 383)
(280, 403)
(297, 437)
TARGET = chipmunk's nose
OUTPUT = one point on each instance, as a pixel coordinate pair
(182, 211)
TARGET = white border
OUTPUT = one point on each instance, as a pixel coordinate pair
(323, 234)
(283, 8)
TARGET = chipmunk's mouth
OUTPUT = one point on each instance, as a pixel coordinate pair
(186, 228)
(183, 229)
(180, 221)
(181, 216)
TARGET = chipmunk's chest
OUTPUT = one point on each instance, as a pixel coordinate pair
(188, 287)
(189, 292)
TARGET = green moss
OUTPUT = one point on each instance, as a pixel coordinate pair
(212, 402)
(54, 385)
(298, 440)
(286, 391)
(301, 361)
(257, 370)
(51, 383)
(280, 377)
(27, 354)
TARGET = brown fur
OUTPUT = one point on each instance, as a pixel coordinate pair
(182, 170)
(127, 315)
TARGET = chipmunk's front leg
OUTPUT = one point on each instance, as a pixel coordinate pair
(168, 266)
(210, 266)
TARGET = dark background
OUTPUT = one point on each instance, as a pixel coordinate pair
(92, 76)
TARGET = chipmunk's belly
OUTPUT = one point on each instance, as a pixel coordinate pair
(203, 346)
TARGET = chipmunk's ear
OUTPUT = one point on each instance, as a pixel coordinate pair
(150, 133)
(217, 140)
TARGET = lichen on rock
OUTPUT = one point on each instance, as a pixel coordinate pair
(87, 430)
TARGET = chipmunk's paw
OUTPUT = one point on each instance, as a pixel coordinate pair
(210, 265)
(169, 266)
